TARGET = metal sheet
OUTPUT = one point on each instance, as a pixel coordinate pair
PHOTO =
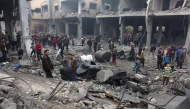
(160, 98)
(179, 102)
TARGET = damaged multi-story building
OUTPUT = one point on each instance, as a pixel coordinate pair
(36, 23)
(73, 17)
(169, 18)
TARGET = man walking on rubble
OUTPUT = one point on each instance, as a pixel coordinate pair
(3, 50)
(66, 43)
(89, 43)
(73, 64)
(181, 58)
(95, 45)
(152, 50)
(142, 57)
(38, 50)
(47, 65)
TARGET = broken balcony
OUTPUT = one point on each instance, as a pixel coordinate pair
(170, 7)
(132, 7)
(69, 8)
(109, 8)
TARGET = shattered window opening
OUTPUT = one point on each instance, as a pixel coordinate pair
(93, 6)
(56, 8)
(107, 6)
(45, 8)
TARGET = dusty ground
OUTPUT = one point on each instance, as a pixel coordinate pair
(44, 86)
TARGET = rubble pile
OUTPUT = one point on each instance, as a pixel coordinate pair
(112, 86)
(13, 96)
(134, 12)
(179, 9)
(108, 13)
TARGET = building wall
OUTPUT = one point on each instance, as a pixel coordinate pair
(113, 3)
(56, 13)
(69, 6)
(173, 3)
(48, 13)
(33, 5)
(34, 24)
(92, 11)
(157, 5)
(135, 4)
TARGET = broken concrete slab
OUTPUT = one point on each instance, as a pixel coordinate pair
(3, 75)
(104, 75)
(140, 77)
(137, 87)
(25, 63)
(5, 88)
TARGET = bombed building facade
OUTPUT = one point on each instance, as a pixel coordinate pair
(73, 17)
(167, 19)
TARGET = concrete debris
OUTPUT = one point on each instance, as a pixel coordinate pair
(103, 91)
(104, 75)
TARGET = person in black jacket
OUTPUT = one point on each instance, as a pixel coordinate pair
(66, 71)
(66, 43)
(111, 46)
(89, 43)
(114, 53)
(132, 51)
(152, 50)
(95, 45)
(159, 60)
(3, 50)
(47, 65)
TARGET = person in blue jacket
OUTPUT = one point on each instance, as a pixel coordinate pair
(178, 52)
(166, 59)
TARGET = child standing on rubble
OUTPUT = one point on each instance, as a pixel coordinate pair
(114, 53)
(166, 74)
(138, 65)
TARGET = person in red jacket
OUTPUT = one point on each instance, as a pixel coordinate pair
(38, 50)
(54, 41)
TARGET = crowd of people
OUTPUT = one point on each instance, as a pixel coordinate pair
(164, 56)
(8, 42)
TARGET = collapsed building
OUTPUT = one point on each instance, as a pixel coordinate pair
(167, 18)
(72, 17)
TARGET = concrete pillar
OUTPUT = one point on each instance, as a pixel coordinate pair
(79, 6)
(122, 29)
(24, 17)
(135, 29)
(66, 28)
(102, 28)
(79, 26)
(149, 32)
(23, 8)
(187, 42)
(114, 31)
(160, 32)
(96, 27)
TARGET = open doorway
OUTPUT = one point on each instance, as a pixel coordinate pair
(166, 5)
